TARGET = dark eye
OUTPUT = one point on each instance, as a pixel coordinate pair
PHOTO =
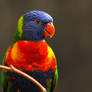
(37, 21)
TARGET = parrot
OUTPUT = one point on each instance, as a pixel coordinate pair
(31, 54)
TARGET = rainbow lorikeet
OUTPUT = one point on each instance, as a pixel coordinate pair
(31, 54)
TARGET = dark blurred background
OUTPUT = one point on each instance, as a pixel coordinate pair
(73, 43)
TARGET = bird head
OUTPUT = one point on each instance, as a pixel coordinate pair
(35, 26)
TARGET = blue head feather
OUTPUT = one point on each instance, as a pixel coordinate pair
(31, 30)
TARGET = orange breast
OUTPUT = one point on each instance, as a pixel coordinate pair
(29, 55)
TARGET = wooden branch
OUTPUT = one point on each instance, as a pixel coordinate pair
(13, 69)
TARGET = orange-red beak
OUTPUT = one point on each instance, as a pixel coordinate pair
(49, 30)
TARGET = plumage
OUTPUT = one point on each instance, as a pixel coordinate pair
(31, 53)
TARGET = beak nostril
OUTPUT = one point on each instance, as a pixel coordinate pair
(50, 23)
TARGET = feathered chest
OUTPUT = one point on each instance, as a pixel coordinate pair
(27, 55)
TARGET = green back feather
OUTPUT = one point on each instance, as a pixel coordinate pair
(19, 31)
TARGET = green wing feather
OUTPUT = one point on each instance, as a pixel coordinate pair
(52, 83)
(4, 77)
